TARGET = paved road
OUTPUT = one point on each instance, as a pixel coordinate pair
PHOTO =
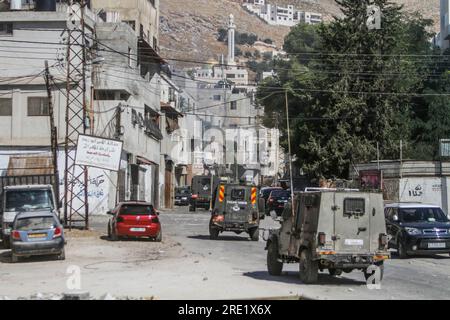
(188, 265)
(414, 278)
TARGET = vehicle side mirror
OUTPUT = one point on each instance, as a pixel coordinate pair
(109, 212)
(60, 204)
(157, 213)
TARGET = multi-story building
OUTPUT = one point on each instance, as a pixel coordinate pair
(233, 137)
(444, 40)
(141, 15)
(279, 15)
(123, 103)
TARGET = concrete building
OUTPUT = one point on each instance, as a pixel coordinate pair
(279, 15)
(141, 15)
(124, 101)
(410, 181)
(127, 98)
(444, 40)
(232, 136)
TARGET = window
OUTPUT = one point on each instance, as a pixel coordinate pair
(238, 194)
(6, 29)
(130, 58)
(233, 105)
(354, 206)
(5, 107)
(131, 23)
(108, 95)
(217, 97)
(136, 210)
(38, 106)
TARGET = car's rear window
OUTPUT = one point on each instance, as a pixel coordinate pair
(136, 209)
(35, 223)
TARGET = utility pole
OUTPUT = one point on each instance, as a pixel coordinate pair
(53, 132)
(290, 154)
(76, 207)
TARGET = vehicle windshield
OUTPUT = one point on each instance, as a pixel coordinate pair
(422, 215)
(35, 223)
(266, 192)
(28, 200)
(136, 209)
(280, 194)
(182, 191)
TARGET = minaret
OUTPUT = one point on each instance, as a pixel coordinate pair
(231, 46)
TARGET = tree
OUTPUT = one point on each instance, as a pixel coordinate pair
(349, 88)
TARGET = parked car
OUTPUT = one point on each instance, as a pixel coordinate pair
(134, 220)
(277, 200)
(417, 229)
(182, 196)
(37, 233)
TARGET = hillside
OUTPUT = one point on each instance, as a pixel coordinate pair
(188, 28)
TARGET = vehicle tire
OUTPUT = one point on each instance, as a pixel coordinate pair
(191, 209)
(401, 250)
(6, 243)
(62, 255)
(213, 233)
(308, 269)
(368, 274)
(14, 258)
(347, 270)
(334, 272)
(114, 236)
(254, 234)
(274, 267)
(158, 238)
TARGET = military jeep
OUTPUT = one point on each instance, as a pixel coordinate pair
(334, 230)
(236, 208)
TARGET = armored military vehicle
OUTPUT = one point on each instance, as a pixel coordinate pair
(237, 208)
(334, 230)
(202, 190)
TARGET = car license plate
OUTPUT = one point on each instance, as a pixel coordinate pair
(354, 242)
(434, 245)
(137, 229)
(37, 235)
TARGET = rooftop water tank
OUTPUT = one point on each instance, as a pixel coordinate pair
(45, 5)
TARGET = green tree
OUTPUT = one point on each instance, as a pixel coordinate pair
(349, 87)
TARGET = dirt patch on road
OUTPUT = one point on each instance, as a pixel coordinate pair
(74, 233)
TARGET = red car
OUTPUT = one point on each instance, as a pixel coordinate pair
(134, 220)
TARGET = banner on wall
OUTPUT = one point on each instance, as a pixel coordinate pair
(98, 152)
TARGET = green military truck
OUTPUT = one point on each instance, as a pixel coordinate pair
(334, 230)
(237, 208)
(202, 188)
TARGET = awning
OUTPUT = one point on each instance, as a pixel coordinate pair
(172, 125)
(152, 129)
(145, 161)
(147, 53)
(169, 110)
